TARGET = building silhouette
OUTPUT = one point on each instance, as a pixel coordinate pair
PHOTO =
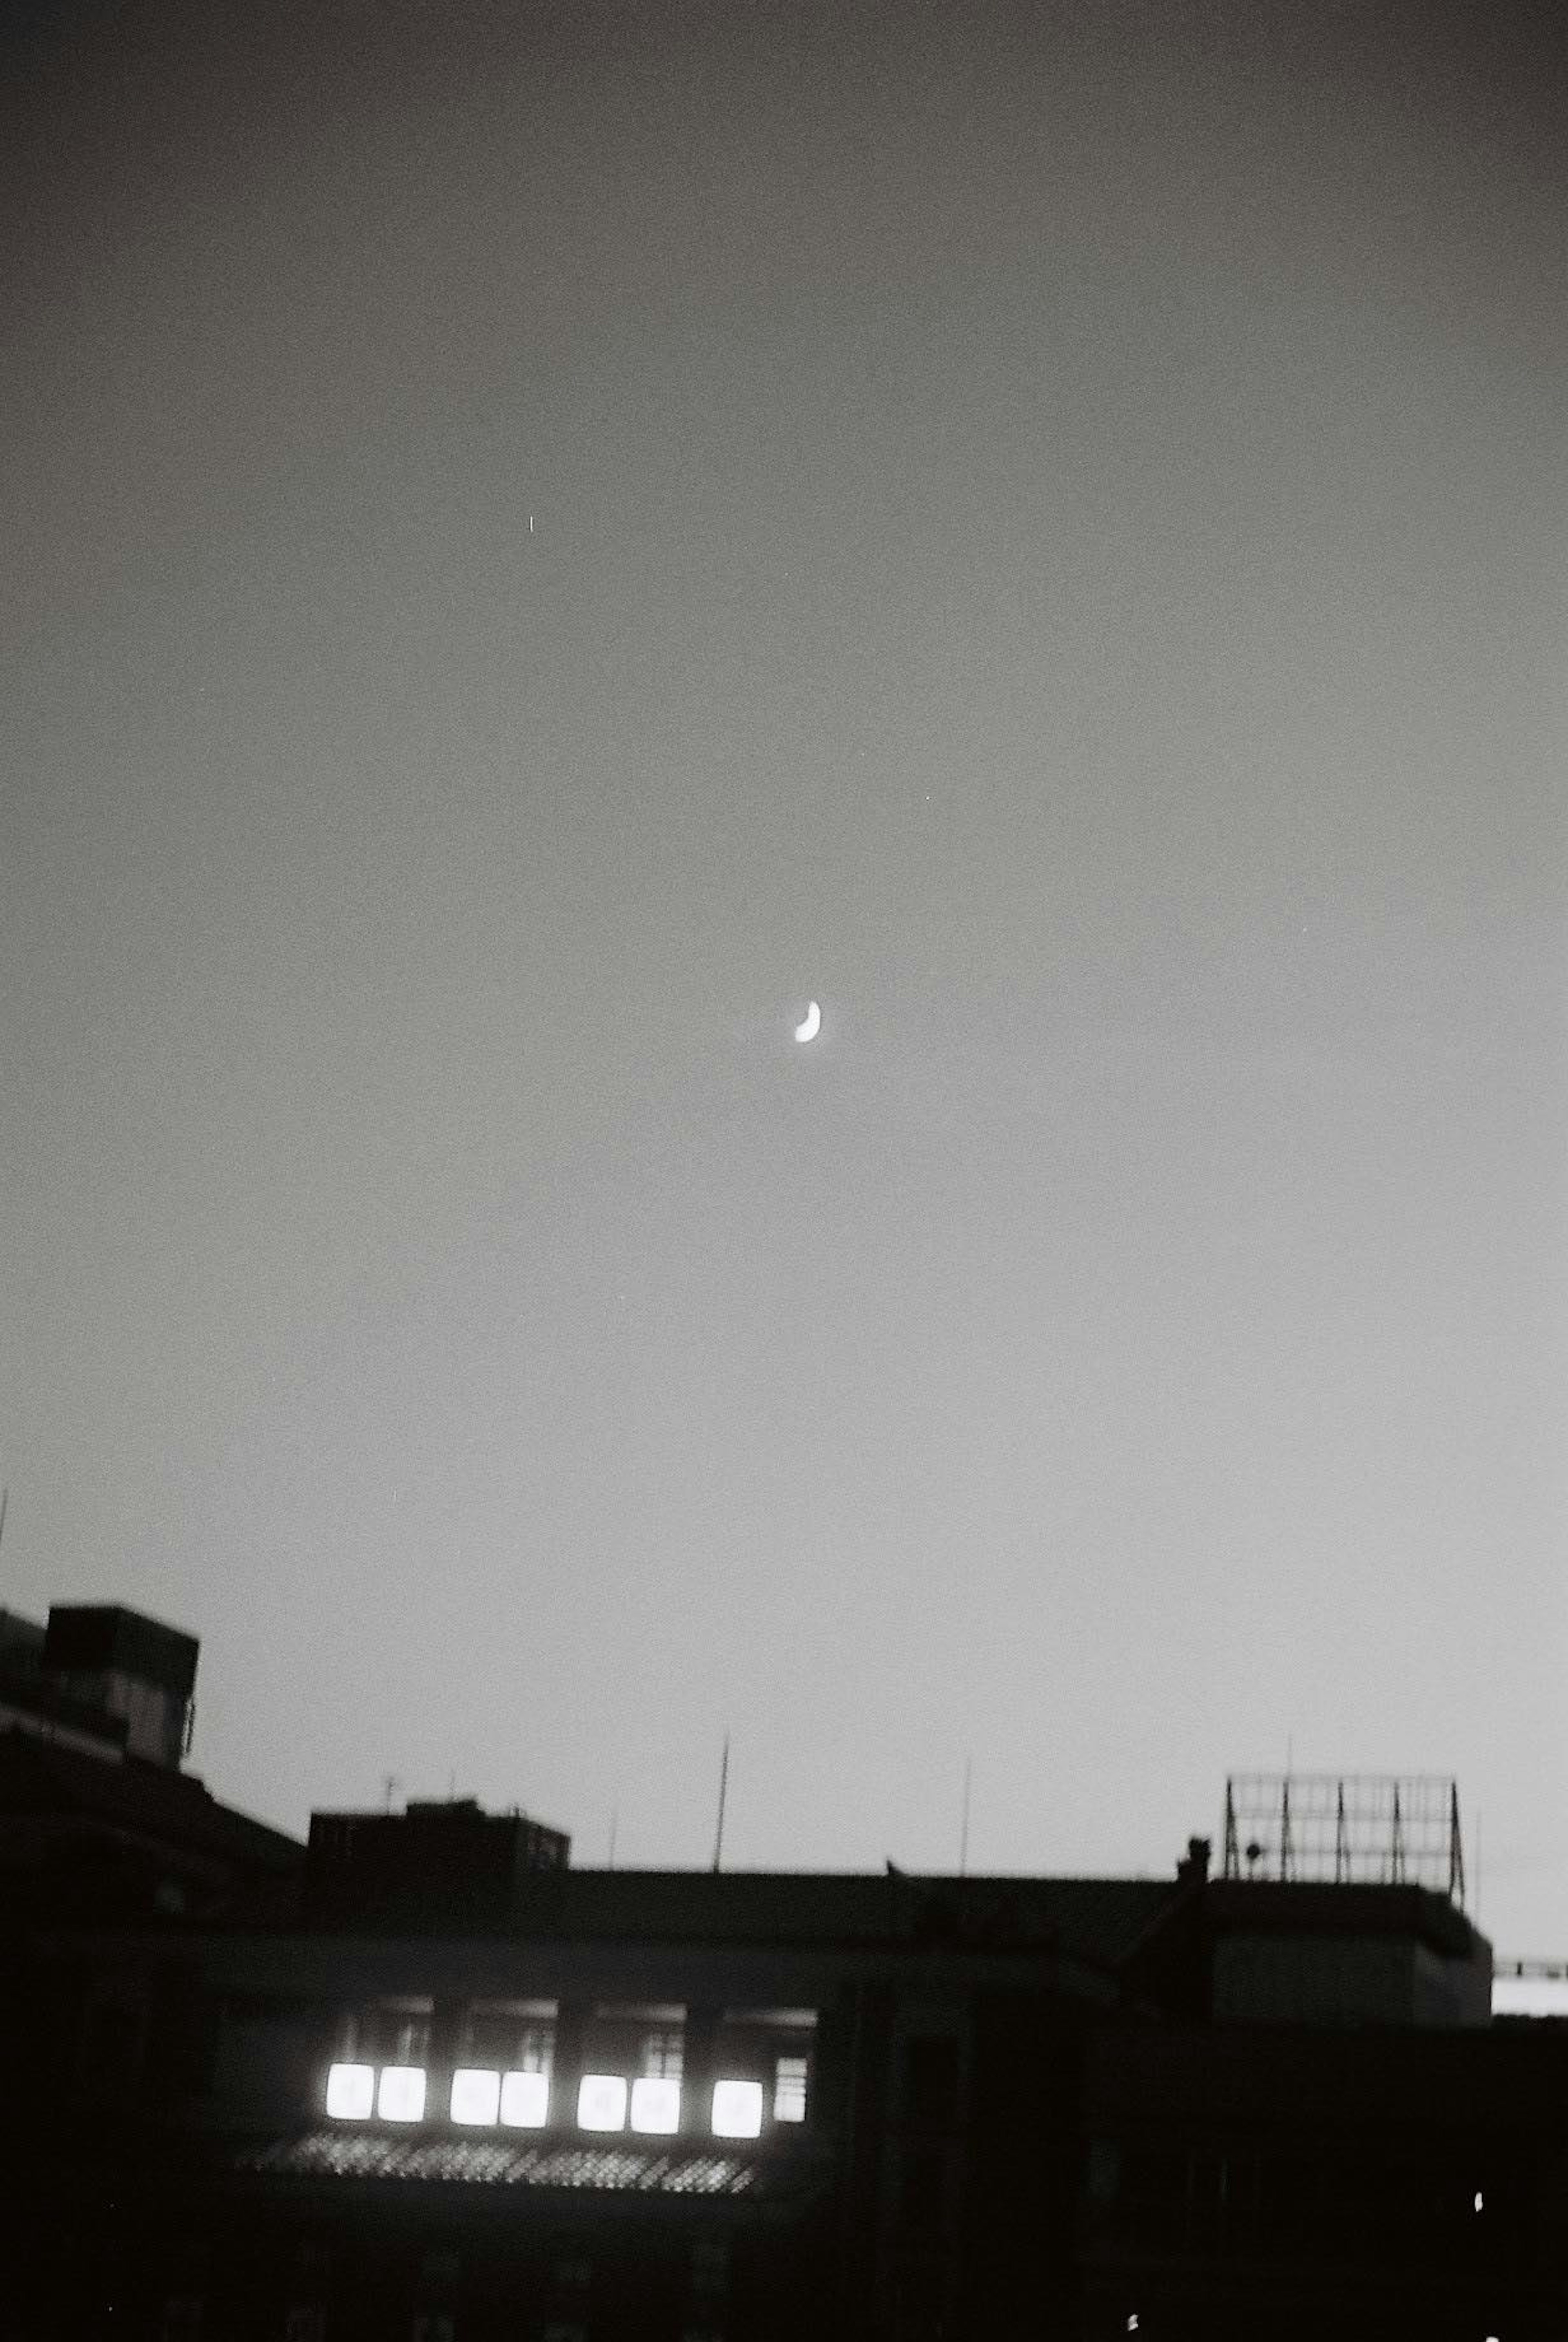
(428, 2081)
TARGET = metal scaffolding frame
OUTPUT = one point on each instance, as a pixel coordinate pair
(1347, 1828)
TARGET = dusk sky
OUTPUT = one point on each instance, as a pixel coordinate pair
(538, 540)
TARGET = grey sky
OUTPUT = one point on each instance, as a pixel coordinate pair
(1046, 537)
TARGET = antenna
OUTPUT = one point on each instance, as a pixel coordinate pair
(723, 1786)
(389, 1781)
(963, 1824)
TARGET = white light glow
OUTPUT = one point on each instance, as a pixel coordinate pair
(789, 2089)
(810, 1024)
(525, 2100)
(1480, 2200)
(655, 2103)
(601, 2102)
(400, 2094)
(737, 2110)
(476, 2095)
(350, 2092)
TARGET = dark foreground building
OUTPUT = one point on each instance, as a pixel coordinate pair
(439, 2087)
(99, 1821)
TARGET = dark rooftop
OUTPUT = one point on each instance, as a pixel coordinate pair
(146, 1802)
(87, 1637)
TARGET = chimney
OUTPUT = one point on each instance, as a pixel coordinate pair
(1193, 1870)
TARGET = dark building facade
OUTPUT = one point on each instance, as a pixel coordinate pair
(98, 1818)
(457, 2091)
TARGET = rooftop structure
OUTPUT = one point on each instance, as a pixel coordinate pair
(449, 1863)
(132, 1667)
(106, 1681)
(1380, 1829)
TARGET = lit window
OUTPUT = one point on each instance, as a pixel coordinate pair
(476, 2095)
(525, 2100)
(535, 2050)
(350, 2092)
(507, 2037)
(400, 2096)
(390, 2032)
(655, 2103)
(663, 2055)
(789, 2089)
(737, 2110)
(601, 2102)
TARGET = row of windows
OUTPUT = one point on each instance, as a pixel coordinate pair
(485, 2097)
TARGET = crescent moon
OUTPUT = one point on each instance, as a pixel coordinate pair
(810, 1024)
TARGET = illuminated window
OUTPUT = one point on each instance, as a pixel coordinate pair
(350, 2092)
(390, 2032)
(655, 2103)
(789, 2089)
(400, 2094)
(476, 2095)
(535, 2050)
(601, 2102)
(737, 2110)
(508, 2036)
(525, 2100)
(663, 2055)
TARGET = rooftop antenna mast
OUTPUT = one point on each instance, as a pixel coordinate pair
(723, 1786)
